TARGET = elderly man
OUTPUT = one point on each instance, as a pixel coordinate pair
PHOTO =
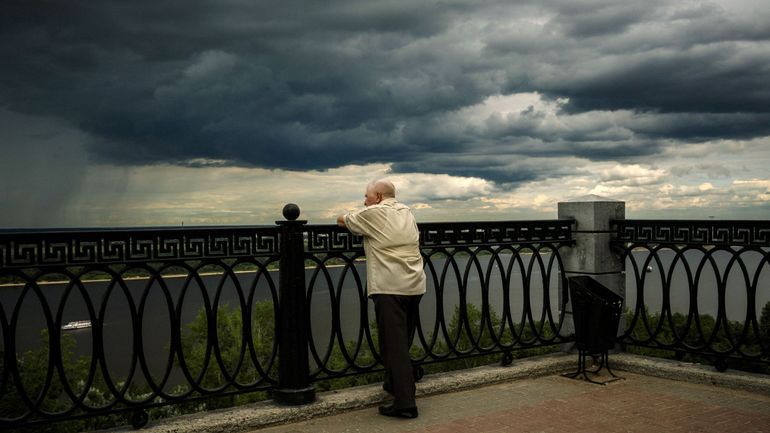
(395, 281)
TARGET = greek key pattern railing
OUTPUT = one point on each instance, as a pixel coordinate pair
(695, 232)
(88, 247)
(495, 233)
(325, 239)
(698, 288)
(321, 239)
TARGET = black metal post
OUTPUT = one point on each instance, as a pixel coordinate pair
(293, 368)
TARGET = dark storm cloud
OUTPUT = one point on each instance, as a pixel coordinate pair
(588, 19)
(653, 57)
(491, 167)
(316, 85)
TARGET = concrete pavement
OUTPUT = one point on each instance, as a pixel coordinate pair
(528, 396)
(556, 404)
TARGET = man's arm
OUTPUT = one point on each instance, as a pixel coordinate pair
(341, 221)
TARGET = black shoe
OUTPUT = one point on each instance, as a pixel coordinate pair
(410, 412)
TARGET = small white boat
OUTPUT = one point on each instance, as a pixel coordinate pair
(77, 324)
(649, 268)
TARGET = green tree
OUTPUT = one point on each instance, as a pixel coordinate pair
(33, 370)
(764, 328)
(482, 332)
(655, 339)
(230, 341)
(363, 357)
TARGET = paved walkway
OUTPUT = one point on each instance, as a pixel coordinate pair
(527, 396)
(640, 403)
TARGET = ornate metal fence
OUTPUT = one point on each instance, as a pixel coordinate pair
(698, 287)
(113, 322)
(99, 322)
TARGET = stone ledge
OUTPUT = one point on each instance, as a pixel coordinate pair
(264, 414)
(690, 372)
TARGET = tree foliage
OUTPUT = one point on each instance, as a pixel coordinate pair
(764, 326)
(223, 357)
(660, 336)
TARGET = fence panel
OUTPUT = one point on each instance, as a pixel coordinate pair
(99, 322)
(699, 288)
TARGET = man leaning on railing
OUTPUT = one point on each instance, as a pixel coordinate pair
(395, 281)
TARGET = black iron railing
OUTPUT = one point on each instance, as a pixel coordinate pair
(97, 322)
(699, 288)
(110, 322)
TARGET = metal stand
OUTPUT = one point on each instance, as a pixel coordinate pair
(596, 314)
(604, 361)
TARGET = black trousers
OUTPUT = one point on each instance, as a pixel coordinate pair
(396, 323)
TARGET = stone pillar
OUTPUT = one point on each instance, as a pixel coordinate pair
(591, 255)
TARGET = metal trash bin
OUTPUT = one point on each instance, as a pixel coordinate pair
(596, 312)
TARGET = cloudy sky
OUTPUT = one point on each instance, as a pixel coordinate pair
(163, 112)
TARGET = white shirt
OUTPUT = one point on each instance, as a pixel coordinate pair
(392, 246)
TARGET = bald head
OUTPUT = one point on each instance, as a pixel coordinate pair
(379, 190)
(384, 187)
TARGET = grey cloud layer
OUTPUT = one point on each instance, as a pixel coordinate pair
(315, 85)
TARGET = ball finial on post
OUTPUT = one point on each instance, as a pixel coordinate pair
(291, 212)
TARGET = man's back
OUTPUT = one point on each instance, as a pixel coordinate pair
(392, 246)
